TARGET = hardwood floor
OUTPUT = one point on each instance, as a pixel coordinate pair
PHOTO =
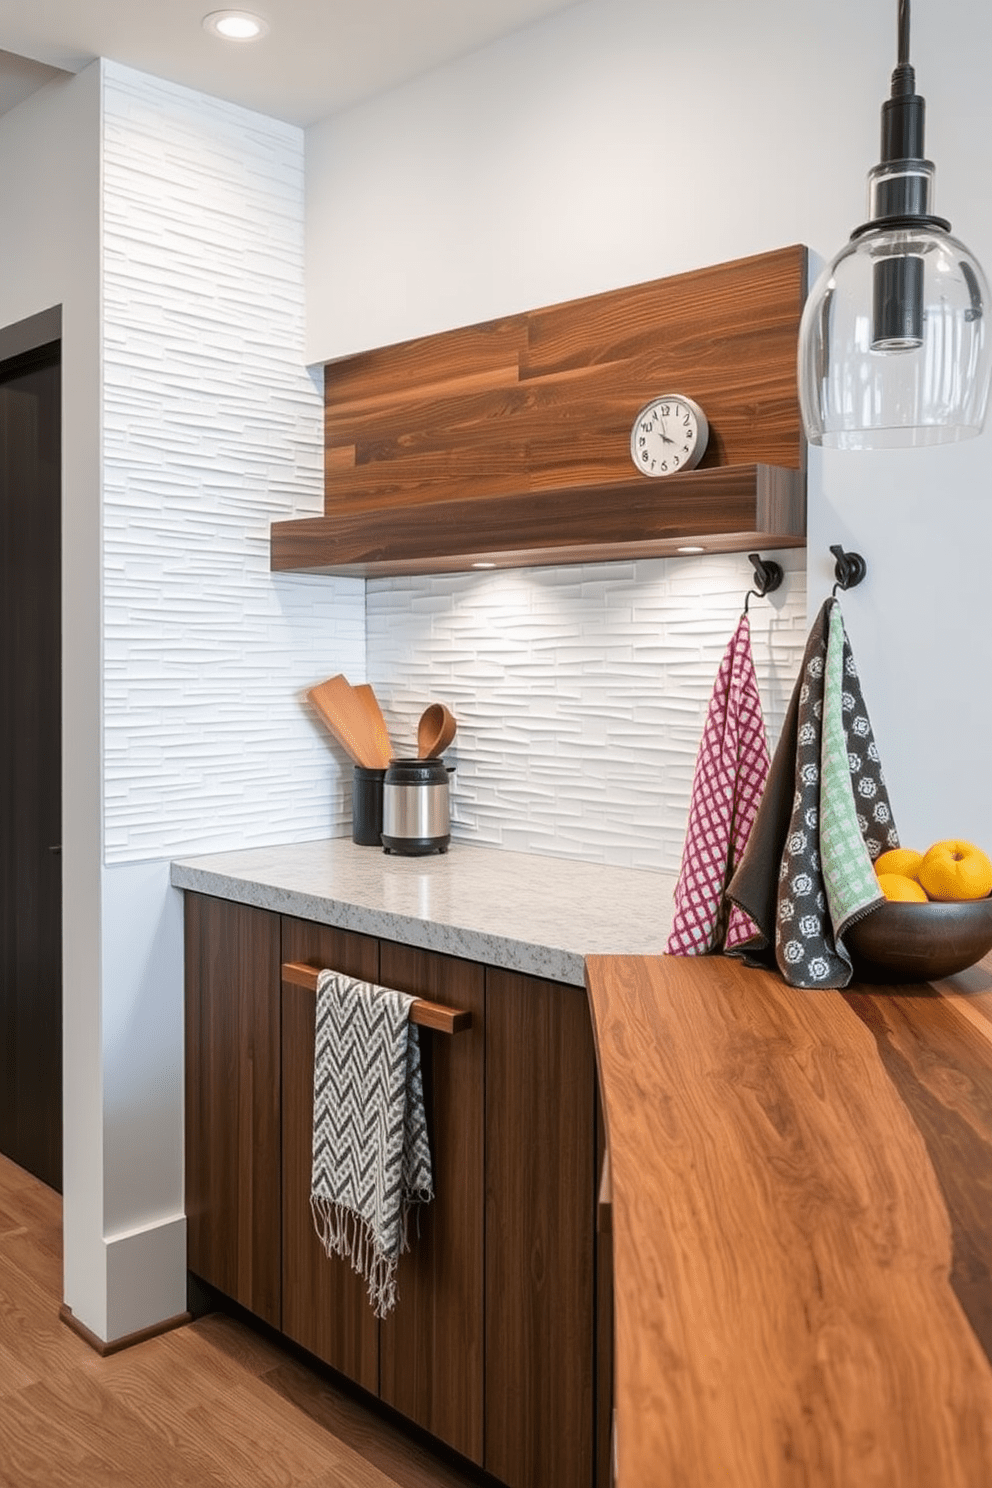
(213, 1404)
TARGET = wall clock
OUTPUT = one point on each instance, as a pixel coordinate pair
(669, 435)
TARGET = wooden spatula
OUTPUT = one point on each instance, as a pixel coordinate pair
(368, 698)
(347, 717)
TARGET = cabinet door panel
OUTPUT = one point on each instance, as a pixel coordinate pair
(540, 1240)
(604, 1326)
(325, 1306)
(232, 1100)
(432, 1344)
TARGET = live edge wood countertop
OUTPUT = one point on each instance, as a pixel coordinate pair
(802, 1226)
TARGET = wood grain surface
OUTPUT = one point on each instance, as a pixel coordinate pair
(513, 436)
(546, 400)
(540, 1233)
(431, 1345)
(325, 1305)
(802, 1226)
(233, 1100)
(724, 510)
(216, 1404)
(433, 1015)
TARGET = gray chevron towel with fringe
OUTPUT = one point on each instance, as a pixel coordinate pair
(371, 1156)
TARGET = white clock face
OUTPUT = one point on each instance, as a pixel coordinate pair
(669, 435)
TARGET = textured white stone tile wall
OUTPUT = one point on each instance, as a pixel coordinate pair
(212, 429)
(580, 693)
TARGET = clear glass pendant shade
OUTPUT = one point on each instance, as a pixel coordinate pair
(893, 346)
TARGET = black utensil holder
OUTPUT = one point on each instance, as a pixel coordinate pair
(366, 806)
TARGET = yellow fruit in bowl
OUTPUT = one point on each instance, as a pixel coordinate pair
(956, 870)
(902, 860)
(897, 886)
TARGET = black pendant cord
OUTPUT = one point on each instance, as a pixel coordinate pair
(903, 33)
(904, 200)
(903, 83)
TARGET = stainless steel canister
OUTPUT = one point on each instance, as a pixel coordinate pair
(416, 815)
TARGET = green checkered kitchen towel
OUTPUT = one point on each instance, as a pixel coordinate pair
(824, 818)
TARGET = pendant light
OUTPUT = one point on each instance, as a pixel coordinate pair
(893, 345)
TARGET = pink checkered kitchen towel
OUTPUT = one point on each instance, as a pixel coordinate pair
(731, 770)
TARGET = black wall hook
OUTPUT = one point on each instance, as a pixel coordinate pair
(849, 569)
(767, 577)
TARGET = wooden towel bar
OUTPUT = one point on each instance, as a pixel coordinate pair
(426, 1014)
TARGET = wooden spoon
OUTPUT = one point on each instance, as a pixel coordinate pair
(435, 731)
(348, 720)
(370, 702)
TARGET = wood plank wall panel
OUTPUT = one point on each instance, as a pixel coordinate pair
(233, 1100)
(545, 401)
(325, 1305)
(540, 1242)
(432, 1344)
(802, 1226)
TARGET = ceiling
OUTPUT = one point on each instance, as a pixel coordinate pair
(319, 56)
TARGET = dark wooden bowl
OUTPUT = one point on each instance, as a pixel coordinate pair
(919, 942)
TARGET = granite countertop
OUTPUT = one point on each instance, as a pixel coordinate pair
(521, 911)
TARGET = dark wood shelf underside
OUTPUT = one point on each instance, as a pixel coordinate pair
(725, 509)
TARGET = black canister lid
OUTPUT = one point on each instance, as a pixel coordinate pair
(416, 772)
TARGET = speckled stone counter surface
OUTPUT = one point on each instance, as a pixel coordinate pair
(524, 912)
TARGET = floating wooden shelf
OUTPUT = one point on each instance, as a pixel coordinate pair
(507, 444)
(723, 510)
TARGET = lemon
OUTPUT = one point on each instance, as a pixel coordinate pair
(897, 886)
(955, 870)
(902, 860)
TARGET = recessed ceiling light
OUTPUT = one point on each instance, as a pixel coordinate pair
(235, 25)
(483, 565)
(690, 550)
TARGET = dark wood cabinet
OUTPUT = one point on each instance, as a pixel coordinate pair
(432, 1344)
(324, 1303)
(233, 1118)
(493, 1345)
(540, 1232)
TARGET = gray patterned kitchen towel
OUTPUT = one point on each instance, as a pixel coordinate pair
(371, 1157)
(825, 816)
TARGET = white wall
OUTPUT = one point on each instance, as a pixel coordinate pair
(618, 143)
(211, 430)
(49, 187)
(579, 692)
(189, 424)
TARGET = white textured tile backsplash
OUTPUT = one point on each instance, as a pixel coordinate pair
(212, 429)
(580, 693)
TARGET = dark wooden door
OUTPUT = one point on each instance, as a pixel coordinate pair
(540, 1233)
(324, 1303)
(431, 1345)
(30, 764)
(233, 1120)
